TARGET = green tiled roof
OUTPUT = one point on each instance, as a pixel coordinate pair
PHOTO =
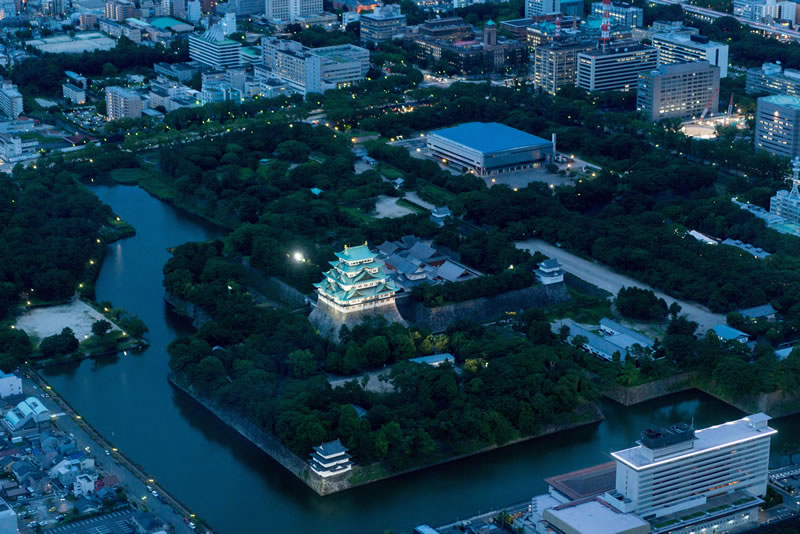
(359, 253)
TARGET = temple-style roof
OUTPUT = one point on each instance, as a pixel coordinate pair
(359, 253)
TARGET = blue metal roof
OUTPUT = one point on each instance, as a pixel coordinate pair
(490, 137)
(434, 359)
(727, 333)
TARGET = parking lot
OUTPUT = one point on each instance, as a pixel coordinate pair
(114, 523)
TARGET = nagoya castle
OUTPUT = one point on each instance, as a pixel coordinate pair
(355, 286)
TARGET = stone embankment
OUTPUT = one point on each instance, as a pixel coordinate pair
(187, 309)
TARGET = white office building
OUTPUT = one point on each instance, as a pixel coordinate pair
(787, 203)
(213, 49)
(534, 8)
(10, 100)
(616, 66)
(621, 14)
(315, 70)
(765, 10)
(681, 48)
(778, 125)
(10, 385)
(292, 10)
(678, 468)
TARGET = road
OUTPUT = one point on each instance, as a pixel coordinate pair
(130, 475)
(605, 278)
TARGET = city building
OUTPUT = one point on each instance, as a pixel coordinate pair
(75, 88)
(435, 360)
(681, 48)
(28, 414)
(679, 90)
(766, 10)
(450, 29)
(330, 459)
(534, 8)
(773, 79)
(180, 71)
(14, 149)
(786, 204)
(555, 64)
(663, 26)
(488, 149)
(778, 125)
(214, 50)
(621, 14)
(615, 66)
(550, 272)
(765, 312)
(611, 340)
(194, 11)
(122, 103)
(356, 281)
(10, 385)
(119, 10)
(87, 21)
(10, 100)
(572, 8)
(383, 24)
(315, 70)
(291, 10)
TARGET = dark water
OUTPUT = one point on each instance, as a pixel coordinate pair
(238, 489)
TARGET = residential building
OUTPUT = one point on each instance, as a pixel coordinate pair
(488, 149)
(786, 204)
(534, 8)
(677, 468)
(14, 149)
(10, 385)
(119, 10)
(315, 70)
(621, 14)
(122, 103)
(773, 79)
(75, 88)
(385, 23)
(84, 484)
(727, 333)
(550, 272)
(681, 48)
(214, 50)
(555, 64)
(330, 459)
(680, 90)
(778, 125)
(615, 66)
(87, 21)
(765, 311)
(356, 282)
(10, 100)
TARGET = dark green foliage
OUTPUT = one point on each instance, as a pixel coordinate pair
(640, 304)
(59, 344)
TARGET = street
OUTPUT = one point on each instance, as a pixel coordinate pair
(605, 278)
(115, 463)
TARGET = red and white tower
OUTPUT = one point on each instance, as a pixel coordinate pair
(558, 28)
(605, 27)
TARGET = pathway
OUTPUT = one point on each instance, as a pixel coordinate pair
(605, 278)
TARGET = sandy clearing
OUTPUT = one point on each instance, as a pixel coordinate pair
(43, 322)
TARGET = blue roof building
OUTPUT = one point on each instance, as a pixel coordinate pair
(489, 148)
(726, 333)
(435, 359)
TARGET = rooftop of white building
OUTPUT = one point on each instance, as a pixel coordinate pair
(730, 433)
(594, 516)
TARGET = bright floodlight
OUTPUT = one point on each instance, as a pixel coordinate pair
(298, 256)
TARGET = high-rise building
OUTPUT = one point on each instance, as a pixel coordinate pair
(621, 14)
(10, 100)
(572, 8)
(291, 10)
(555, 64)
(315, 70)
(178, 9)
(541, 7)
(786, 204)
(383, 24)
(119, 10)
(680, 90)
(681, 48)
(8, 8)
(194, 11)
(615, 66)
(122, 103)
(766, 10)
(677, 468)
(771, 78)
(778, 125)
(228, 24)
(213, 49)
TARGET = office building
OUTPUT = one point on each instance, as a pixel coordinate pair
(122, 103)
(12, 150)
(446, 29)
(773, 79)
(786, 204)
(383, 24)
(75, 88)
(680, 90)
(572, 8)
(315, 70)
(621, 14)
(766, 10)
(677, 468)
(681, 48)
(214, 50)
(194, 11)
(10, 100)
(119, 10)
(10, 386)
(555, 64)
(292, 10)
(488, 149)
(778, 125)
(615, 66)
(535, 8)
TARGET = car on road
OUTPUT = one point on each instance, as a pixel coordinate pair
(155, 493)
(191, 526)
(148, 488)
(108, 453)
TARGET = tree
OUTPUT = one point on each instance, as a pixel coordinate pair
(59, 344)
(101, 327)
(376, 350)
(302, 364)
(110, 70)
